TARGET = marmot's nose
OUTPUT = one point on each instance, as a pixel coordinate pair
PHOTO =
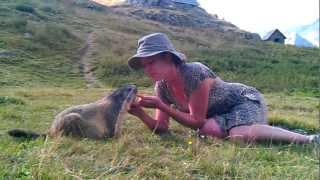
(132, 87)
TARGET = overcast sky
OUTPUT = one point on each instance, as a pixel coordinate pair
(261, 16)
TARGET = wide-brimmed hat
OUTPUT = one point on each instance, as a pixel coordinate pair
(151, 45)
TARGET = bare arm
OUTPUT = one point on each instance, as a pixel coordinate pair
(158, 124)
(198, 105)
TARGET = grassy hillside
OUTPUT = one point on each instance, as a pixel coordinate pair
(45, 38)
(41, 49)
(41, 44)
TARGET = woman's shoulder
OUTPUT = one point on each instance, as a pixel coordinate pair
(196, 71)
(194, 64)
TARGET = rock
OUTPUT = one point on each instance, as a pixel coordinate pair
(7, 54)
(27, 35)
(250, 36)
(150, 3)
(179, 14)
(91, 5)
(193, 17)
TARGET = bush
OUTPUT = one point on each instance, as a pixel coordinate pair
(2, 44)
(25, 8)
(5, 100)
(4, 11)
(20, 24)
(16, 24)
(52, 35)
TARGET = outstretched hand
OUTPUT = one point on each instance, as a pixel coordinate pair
(149, 101)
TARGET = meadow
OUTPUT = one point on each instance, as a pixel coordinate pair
(138, 153)
(40, 75)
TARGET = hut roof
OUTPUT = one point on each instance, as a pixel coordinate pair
(192, 2)
(270, 33)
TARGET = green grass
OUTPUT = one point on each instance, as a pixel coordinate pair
(269, 67)
(40, 77)
(44, 52)
(140, 154)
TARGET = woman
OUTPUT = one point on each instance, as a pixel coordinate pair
(197, 98)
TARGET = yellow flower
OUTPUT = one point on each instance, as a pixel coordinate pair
(189, 142)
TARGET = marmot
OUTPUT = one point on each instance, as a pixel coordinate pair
(98, 120)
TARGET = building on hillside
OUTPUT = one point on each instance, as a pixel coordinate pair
(275, 36)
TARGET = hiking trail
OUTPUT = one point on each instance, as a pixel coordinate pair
(87, 52)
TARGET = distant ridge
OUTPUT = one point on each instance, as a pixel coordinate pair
(182, 13)
(309, 33)
(298, 40)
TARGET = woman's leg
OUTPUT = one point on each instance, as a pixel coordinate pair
(265, 132)
(212, 128)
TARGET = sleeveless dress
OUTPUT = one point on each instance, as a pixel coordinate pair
(230, 104)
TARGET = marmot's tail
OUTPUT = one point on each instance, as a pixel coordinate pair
(21, 133)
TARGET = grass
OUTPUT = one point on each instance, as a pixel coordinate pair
(267, 66)
(140, 154)
(272, 68)
(43, 51)
(40, 77)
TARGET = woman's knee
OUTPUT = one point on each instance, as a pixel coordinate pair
(212, 128)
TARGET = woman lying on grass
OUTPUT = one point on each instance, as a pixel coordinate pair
(196, 97)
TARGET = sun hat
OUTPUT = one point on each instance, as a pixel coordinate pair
(151, 45)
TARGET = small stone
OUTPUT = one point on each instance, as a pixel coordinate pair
(27, 35)
(7, 54)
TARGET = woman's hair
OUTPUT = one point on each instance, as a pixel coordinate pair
(173, 57)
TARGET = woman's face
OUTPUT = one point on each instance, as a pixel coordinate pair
(157, 67)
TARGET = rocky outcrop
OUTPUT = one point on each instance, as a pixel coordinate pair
(176, 13)
(150, 3)
(164, 3)
(7, 54)
(195, 17)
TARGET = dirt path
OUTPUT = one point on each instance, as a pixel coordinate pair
(86, 54)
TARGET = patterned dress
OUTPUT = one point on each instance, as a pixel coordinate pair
(230, 104)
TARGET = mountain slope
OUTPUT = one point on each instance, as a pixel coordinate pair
(40, 44)
(309, 32)
(44, 45)
(297, 40)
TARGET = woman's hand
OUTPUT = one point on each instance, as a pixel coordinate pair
(136, 109)
(150, 101)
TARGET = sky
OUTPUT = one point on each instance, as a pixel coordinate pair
(261, 16)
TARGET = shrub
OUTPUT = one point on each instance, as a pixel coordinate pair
(19, 24)
(2, 44)
(5, 100)
(4, 11)
(25, 8)
(15, 24)
(52, 35)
